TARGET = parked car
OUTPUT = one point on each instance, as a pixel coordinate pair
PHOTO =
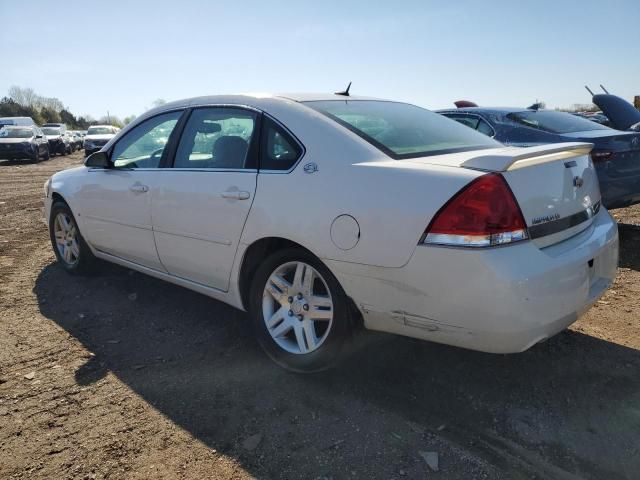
(318, 212)
(58, 140)
(76, 140)
(616, 154)
(61, 126)
(21, 121)
(23, 143)
(97, 137)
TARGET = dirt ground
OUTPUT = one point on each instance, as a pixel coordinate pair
(124, 376)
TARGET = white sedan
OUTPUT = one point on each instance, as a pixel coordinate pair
(318, 213)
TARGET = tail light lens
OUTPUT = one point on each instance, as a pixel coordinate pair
(483, 214)
(600, 156)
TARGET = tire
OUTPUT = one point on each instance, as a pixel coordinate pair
(282, 341)
(47, 154)
(79, 260)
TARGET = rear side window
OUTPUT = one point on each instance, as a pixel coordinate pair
(402, 130)
(278, 149)
(554, 122)
(471, 122)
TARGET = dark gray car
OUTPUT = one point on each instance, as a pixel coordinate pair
(23, 143)
(616, 154)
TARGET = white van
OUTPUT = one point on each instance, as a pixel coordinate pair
(20, 121)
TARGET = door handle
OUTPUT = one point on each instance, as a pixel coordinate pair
(236, 195)
(139, 188)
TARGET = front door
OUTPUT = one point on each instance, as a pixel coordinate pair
(115, 207)
(201, 204)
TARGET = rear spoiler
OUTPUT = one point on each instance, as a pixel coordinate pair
(514, 158)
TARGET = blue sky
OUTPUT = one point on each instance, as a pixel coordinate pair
(121, 56)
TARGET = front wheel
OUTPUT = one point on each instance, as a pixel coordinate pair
(69, 246)
(299, 311)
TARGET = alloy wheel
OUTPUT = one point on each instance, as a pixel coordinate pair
(297, 308)
(66, 237)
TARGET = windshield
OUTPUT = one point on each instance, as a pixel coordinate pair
(555, 122)
(16, 133)
(51, 131)
(99, 131)
(401, 130)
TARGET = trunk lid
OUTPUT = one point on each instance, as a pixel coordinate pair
(556, 185)
(621, 113)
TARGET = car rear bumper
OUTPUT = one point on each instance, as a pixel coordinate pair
(499, 300)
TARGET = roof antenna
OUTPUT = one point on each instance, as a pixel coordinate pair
(345, 93)
(589, 90)
(604, 89)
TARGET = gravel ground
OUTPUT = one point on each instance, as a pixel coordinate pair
(123, 376)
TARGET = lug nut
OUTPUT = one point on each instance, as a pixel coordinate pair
(300, 317)
(300, 296)
(291, 313)
(290, 299)
(305, 306)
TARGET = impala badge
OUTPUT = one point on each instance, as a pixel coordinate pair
(578, 182)
(310, 167)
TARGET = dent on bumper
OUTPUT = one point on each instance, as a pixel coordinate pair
(500, 300)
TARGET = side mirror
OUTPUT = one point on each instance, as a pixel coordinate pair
(98, 160)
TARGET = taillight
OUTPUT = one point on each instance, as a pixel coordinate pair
(483, 214)
(600, 156)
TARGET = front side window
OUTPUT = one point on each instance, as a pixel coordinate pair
(278, 151)
(554, 122)
(401, 130)
(217, 137)
(143, 146)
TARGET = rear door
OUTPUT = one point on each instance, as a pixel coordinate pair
(202, 201)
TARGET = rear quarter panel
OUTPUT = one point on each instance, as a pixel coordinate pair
(392, 201)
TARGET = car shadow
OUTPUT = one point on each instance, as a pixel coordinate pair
(554, 408)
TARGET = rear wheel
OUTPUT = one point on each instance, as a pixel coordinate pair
(69, 246)
(300, 313)
(47, 155)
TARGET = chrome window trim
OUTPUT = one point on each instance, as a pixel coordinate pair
(124, 169)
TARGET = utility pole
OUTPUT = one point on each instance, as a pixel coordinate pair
(108, 117)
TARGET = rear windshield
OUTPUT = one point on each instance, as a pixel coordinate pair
(99, 131)
(401, 130)
(16, 133)
(555, 122)
(51, 131)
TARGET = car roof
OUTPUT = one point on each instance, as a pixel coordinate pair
(102, 126)
(259, 98)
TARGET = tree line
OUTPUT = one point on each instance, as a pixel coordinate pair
(25, 102)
